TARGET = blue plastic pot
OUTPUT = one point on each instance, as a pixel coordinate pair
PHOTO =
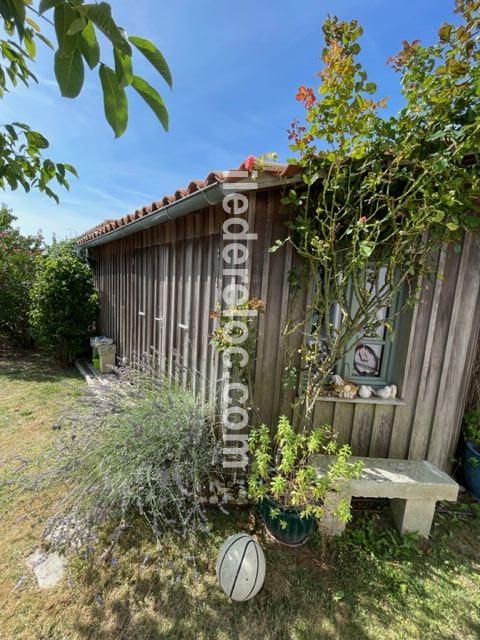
(471, 468)
(295, 530)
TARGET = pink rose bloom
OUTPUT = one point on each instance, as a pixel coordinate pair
(250, 163)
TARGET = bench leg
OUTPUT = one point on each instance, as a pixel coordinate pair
(330, 524)
(412, 515)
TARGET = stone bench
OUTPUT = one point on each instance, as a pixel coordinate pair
(412, 486)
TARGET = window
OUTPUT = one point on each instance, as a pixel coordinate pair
(370, 358)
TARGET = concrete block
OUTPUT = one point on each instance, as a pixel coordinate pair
(413, 516)
(107, 354)
(47, 567)
(330, 524)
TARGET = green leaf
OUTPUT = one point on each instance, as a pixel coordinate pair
(22, 125)
(152, 98)
(89, 47)
(45, 5)
(69, 72)
(9, 27)
(115, 100)
(51, 194)
(33, 24)
(452, 226)
(436, 136)
(370, 87)
(64, 17)
(101, 15)
(71, 169)
(15, 10)
(30, 44)
(45, 40)
(37, 140)
(11, 130)
(153, 55)
(445, 32)
(366, 249)
(123, 67)
(472, 221)
(77, 25)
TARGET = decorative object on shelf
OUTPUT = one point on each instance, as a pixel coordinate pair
(241, 567)
(364, 391)
(337, 382)
(366, 360)
(387, 392)
(342, 388)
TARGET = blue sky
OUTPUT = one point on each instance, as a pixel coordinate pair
(236, 68)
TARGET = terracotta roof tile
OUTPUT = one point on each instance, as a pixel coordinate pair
(212, 178)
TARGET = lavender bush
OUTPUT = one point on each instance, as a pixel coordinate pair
(141, 446)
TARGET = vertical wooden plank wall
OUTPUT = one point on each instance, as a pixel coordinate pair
(442, 343)
(158, 288)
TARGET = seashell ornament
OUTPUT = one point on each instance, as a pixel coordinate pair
(364, 391)
(342, 388)
(349, 390)
(389, 391)
(337, 381)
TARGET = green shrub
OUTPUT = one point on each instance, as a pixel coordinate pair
(284, 470)
(18, 260)
(142, 448)
(64, 303)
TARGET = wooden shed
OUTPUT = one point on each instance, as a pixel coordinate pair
(159, 273)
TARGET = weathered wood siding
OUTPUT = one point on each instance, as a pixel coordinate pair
(439, 353)
(158, 288)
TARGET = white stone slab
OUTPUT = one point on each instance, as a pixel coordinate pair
(47, 567)
(385, 478)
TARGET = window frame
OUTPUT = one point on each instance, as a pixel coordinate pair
(345, 365)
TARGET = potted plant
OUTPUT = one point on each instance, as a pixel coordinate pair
(286, 484)
(471, 452)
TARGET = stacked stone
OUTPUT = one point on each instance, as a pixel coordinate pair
(224, 491)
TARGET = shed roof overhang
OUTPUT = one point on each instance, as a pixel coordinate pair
(197, 197)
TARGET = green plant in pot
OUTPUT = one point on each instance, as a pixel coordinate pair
(471, 451)
(286, 484)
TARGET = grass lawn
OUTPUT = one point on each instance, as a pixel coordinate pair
(372, 585)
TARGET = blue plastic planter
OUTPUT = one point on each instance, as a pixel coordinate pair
(471, 468)
(296, 529)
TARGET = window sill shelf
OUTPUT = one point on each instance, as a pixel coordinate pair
(396, 402)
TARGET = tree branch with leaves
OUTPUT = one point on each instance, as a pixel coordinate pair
(379, 195)
(77, 26)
